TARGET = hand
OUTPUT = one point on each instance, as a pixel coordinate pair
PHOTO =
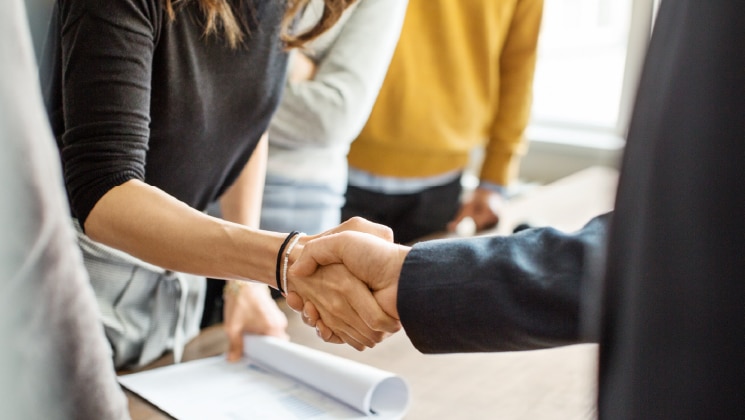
(359, 224)
(483, 207)
(251, 310)
(302, 68)
(356, 332)
(356, 224)
(363, 296)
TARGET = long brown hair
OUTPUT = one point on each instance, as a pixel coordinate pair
(224, 16)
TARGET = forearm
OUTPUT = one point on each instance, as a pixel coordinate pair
(517, 68)
(498, 293)
(241, 203)
(336, 103)
(153, 226)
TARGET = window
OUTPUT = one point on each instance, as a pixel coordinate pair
(590, 53)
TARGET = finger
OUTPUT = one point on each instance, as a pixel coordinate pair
(485, 219)
(363, 225)
(465, 210)
(466, 227)
(352, 305)
(235, 343)
(370, 318)
(375, 229)
(294, 301)
(376, 320)
(352, 342)
(485, 224)
(305, 320)
(350, 335)
(344, 321)
(326, 334)
(454, 223)
(354, 332)
(311, 313)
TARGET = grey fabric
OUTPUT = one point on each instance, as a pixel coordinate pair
(39, 13)
(145, 309)
(54, 359)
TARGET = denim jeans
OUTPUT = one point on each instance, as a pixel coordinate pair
(411, 216)
(308, 207)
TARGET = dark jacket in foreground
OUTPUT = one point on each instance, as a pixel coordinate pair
(668, 306)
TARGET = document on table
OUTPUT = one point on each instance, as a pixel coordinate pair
(276, 380)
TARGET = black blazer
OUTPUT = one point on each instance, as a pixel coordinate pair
(667, 304)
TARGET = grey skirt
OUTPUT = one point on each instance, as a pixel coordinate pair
(146, 310)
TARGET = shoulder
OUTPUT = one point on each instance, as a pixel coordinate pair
(125, 14)
(376, 12)
(377, 6)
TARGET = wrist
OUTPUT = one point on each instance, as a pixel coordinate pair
(283, 259)
(401, 253)
(389, 301)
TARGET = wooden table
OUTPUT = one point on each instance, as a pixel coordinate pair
(543, 384)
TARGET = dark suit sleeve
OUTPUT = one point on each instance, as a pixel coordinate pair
(498, 293)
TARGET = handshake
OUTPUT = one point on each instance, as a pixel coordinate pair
(344, 282)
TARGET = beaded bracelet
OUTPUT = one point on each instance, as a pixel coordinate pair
(287, 260)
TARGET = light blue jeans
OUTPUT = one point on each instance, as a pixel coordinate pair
(291, 204)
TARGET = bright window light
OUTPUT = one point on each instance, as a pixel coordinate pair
(585, 51)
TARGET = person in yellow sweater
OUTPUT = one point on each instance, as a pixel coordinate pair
(461, 78)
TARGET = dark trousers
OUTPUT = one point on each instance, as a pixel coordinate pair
(213, 303)
(411, 216)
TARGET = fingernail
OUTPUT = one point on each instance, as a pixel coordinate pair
(318, 333)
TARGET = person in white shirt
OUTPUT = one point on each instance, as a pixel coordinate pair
(55, 362)
(331, 88)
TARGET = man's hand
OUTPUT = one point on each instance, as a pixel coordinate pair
(250, 309)
(483, 207)
(348, 279)
(359, 224)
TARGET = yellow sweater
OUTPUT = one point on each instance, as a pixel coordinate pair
(461, 77)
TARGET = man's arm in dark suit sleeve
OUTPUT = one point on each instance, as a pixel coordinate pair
(498, 293)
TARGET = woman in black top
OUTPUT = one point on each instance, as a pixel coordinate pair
(159, 109)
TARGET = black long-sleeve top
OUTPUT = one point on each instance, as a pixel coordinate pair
(132, 94)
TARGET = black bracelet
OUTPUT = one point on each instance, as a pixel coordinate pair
(279, 259)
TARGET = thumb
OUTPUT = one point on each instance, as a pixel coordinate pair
(453, 224)
(294, 301)
(235, 344)
(319, 251)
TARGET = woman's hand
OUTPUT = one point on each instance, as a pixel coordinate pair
(250, 309)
